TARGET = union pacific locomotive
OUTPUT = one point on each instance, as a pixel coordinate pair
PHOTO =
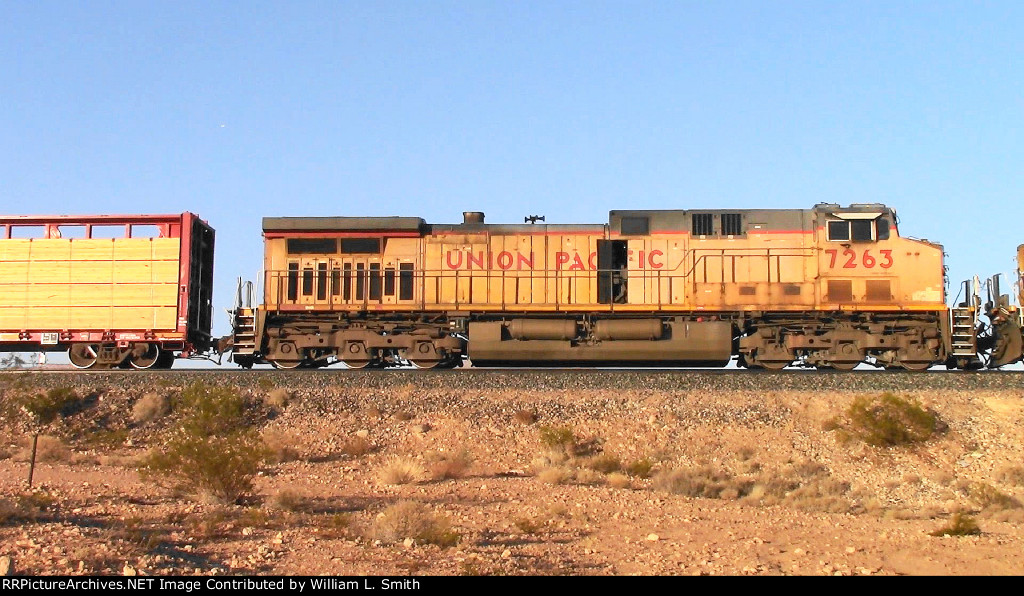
(828, 287)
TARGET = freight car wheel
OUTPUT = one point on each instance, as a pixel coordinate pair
(425, 364)
(83, 355)
(915, 366)
(356, 364)
(144, 356)
(286, 364)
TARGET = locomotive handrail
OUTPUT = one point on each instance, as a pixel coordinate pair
(364, 287)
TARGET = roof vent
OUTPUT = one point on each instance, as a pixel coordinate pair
(472, 217)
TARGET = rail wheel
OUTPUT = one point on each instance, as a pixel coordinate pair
(144, 356)
(426, 364)
(166, 359)
(915, 366)
(84, 355)
(286, 364)
(356, 364)
(843, 365)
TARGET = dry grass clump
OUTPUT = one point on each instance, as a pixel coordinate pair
(890, 421)
(960, 524)
(281, 446)
(400, 470)
(990, 498)
(357, 446)
(415, 521)
(528, 525)
(404, 415)
(618, 480)
(554, 475)
(640, 468)
(705, 482)
(24, 507)
(606, 463)
(1013, 475)
(287, 500)
(445, 466)
(150, 407)
(525, 417)
(49, 449)
(277, 398)
(336, 525)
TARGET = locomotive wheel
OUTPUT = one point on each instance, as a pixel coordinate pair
(776, 365)
(425, 364)
(83, 355)
(843, 365)
(144, 356)
(286, 364)
(915, 366)
(356, 364)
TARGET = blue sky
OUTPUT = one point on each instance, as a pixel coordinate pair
(239, 110)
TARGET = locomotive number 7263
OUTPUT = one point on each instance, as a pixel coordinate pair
(850, 259)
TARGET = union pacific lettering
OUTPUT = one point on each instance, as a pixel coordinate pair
(564, 260)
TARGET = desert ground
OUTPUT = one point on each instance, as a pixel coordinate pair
(466, 472)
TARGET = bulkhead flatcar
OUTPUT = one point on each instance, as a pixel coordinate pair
(132, 290)
(829, 287)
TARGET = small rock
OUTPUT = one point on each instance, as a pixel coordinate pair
(129, 570)
(362, 434)
(850, 550)
(6, 566)
(652, 537)
(409, 542)
(506, 553)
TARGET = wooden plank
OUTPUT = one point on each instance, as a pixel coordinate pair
(84, 318)
(88, 295)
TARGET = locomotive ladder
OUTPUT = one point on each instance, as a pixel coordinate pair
(245, 331)
(964, 338)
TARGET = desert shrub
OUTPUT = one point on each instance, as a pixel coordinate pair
(211, 410)
(618, 480)
(400, 470)
(528, 525)
(44, 407)
(150, 407)
(211, 452)
(266, 384)
(890, 420)
(222, 466)
(416, 521)
(404, 415)
(558, 438)
(444, 466)
(960, 524)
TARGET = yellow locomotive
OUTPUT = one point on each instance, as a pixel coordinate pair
(828, 287)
